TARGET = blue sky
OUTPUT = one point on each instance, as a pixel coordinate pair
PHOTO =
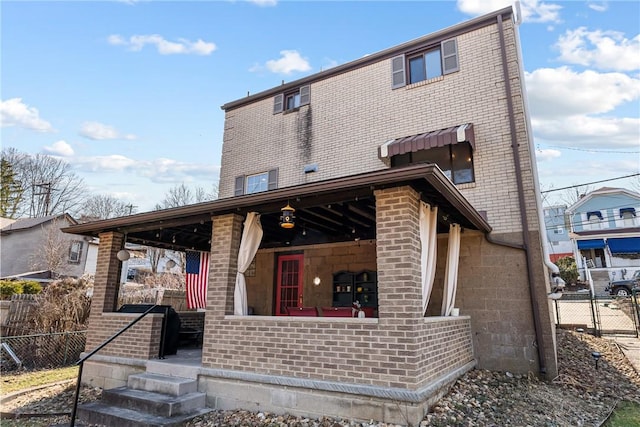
(129, 92)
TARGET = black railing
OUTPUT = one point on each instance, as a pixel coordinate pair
(100, 347)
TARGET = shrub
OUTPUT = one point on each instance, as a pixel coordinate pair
(9, 287)
(568, 269)
(31, 287)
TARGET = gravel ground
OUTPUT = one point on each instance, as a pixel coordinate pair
(579, 396)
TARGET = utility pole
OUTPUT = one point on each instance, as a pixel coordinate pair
(45, 190)
(131, 206)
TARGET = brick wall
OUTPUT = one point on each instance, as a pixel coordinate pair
(400, 349)
(352, 114)
(192, 319)
(319, 260)
(141, 341)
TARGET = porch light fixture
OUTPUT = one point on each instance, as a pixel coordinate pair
(123, 255)
(287, 219)
(170, 264)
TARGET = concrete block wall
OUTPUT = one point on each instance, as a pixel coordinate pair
(352, 114)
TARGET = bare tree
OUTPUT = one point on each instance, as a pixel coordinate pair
(575, 193)
(154, 255)
(53, 252)
(181, 195)
(49, 185)
(104, 206)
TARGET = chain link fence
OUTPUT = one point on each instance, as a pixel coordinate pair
(598, 315)
(41, 351)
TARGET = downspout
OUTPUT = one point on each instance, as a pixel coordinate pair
(536, 180)
(522, 205)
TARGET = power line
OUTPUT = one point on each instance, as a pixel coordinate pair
(589, 183)
(588, 150)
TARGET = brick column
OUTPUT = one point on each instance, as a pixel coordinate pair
(106, 283)
(398, 251)
(107, 279)
(223, 266)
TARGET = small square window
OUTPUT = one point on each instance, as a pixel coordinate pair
(292, 101)
(425, 66)
(257, 183)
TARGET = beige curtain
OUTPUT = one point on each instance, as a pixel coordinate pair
(251, 238)
(428, 243)
(451, 272)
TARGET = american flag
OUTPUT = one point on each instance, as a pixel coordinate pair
(197, 272)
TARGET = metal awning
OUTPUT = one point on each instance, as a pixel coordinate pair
(591, 244)
(624, 245)
(425, 141)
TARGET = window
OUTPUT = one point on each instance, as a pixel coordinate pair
(455, 160)
(256, 183)
(292, 100)
(628, 216)
(558, 230)
(75, 251)
(594, 219)
(425, 64)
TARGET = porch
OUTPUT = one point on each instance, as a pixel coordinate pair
(389, 367)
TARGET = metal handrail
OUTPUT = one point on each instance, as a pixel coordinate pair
(97, 349)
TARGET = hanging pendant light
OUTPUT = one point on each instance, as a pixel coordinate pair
(287, 219)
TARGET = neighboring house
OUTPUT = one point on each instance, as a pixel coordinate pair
(605, 231)
(31, 244)
(559, 244)
(405, 181)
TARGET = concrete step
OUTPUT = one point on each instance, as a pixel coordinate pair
(107, 415)
(154, 403)
(173, 386)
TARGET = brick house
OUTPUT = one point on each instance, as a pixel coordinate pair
(372, 155)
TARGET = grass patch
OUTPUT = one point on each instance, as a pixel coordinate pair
(626, 414)
(24, 380)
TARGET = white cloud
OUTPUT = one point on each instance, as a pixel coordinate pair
(290, 62)
(532, 10)
(99, 131)
(159, 170)
(163, 46)
(589, 132)
(13, 112)
(600, 6)
(59, 148)
(606, 50)
(561, 92)
(567, 107)
(545, 154)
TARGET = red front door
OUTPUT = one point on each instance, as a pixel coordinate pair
(289, 286)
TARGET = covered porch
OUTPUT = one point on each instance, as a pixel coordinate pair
(386, 366)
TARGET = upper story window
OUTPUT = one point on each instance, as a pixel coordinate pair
(455, 160)
(75, 251)
(289, 101)
(594, 218)
(256, 183)
(425, 64)
(628, 216)
(558, 230)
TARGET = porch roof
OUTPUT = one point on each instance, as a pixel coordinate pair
(326, 211)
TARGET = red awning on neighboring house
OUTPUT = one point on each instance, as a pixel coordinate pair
(433, 139)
